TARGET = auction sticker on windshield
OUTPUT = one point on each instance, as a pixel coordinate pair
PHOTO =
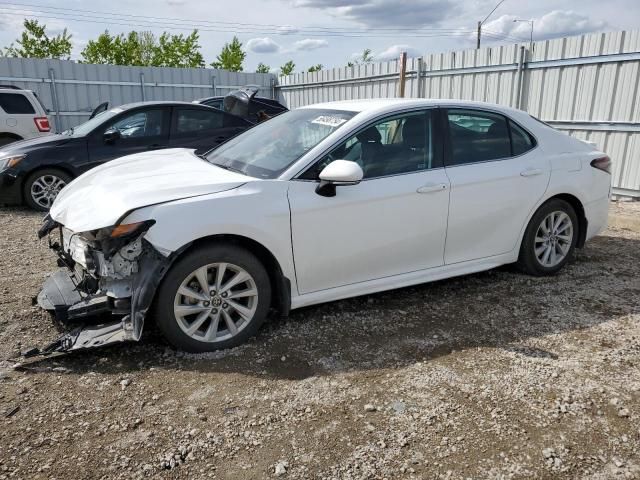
(329, 121)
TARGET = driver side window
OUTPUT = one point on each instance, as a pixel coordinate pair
(139, 124)
(393, 146)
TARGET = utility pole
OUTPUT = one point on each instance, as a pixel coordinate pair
(403, 74)
(483, 21)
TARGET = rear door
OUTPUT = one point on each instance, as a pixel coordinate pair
(203, 128)
(140, 130)
(497, 177)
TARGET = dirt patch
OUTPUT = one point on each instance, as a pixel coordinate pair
(493, 375)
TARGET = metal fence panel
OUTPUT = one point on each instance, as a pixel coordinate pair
(587, 85)
(79, 88)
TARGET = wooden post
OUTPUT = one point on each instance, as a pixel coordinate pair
(403, 73)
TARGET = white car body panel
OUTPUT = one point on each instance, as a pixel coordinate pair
(380, 234)
(22, 124)
(101, 196)
(378, 228)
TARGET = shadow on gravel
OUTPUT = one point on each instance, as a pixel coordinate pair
(497, 309)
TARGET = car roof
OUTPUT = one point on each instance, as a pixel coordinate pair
(129, 106)
(383, 105)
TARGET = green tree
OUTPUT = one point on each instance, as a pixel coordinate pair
(144, 49)
(315, 68)
(231, 57)
(262, 68)
(118, 50)
(287, 68)
(35, 43)
(365, 57)
(178, 51)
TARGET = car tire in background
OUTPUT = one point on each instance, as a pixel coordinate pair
(214, 297)
(550, 238)
(42, 187)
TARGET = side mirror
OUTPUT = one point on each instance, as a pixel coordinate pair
(338, 173)
(110, 136)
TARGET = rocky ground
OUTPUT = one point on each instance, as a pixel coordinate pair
(494, 375)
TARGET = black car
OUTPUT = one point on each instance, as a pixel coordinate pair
(244, 103)
(34, 171)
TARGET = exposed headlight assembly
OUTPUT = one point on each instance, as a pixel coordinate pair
(10, 161)
(113, 238)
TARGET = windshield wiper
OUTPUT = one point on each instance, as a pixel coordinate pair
(227, 167)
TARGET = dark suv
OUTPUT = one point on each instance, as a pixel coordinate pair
(35, 170)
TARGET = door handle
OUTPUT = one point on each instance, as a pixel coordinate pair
(432, 187)
(531, 172)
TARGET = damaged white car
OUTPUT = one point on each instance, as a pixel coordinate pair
(321, 203)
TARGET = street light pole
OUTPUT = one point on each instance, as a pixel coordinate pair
(485, 19)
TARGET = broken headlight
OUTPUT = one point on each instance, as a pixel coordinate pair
(111, 239)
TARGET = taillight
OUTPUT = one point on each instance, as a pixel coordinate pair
(43, 124)
(602, 163)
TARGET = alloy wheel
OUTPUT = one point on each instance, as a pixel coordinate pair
(215, 302)
(554, 238)
(45, 189)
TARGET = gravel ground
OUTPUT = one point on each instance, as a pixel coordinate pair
(493, 375)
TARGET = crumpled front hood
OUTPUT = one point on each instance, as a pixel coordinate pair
(100, 197)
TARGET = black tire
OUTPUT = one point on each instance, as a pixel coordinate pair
(44, 173)
(528, 262)
(183, 268)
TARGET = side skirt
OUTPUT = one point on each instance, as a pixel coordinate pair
(402, 280)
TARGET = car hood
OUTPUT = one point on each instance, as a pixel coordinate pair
(24, 146)
(103, 195)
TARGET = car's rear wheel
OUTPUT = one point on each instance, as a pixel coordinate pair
(215, 297)
(550, 238)
(42, 188)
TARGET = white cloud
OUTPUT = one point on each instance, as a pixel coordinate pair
(383, 13)
(558, 23)
(394, 51)
(310, 44)
(263, 45)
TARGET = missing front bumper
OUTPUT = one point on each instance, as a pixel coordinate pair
(61, 294)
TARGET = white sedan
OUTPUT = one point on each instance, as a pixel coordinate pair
(318, 204)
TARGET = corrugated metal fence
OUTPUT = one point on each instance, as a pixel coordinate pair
(72, 90)
(587, 85)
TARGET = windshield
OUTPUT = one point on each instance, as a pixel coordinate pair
(268, 149)
(88, 126)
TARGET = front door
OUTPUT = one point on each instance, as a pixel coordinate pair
(139, 130)
(393, 222)
(497, 177)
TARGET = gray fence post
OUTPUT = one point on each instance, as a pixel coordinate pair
(517, 101)
(213, 84)
(142, 86)
(54, 99)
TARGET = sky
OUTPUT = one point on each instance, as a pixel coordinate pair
(327, 32)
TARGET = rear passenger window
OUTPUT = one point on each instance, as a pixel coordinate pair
(15, 103)
(521, 141)
(477, 136)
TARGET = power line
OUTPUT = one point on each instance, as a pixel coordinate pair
(92, 16)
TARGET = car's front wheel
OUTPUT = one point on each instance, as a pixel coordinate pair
(214, 297)
(43, 186)
(550, 238)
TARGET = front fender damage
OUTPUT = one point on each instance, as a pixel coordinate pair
(131, 277)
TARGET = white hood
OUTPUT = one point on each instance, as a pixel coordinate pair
(100, 197)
